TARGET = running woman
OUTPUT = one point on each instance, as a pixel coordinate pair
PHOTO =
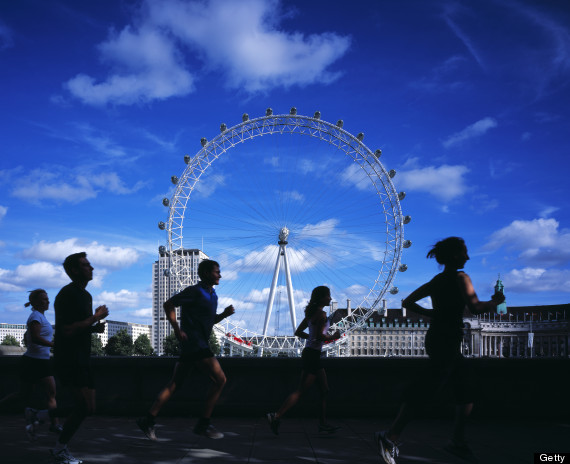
(35, 365)
(199, 304)
(450, 291)
(318, 323)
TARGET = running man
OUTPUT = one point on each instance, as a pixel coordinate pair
(198, 304)
(74, 324)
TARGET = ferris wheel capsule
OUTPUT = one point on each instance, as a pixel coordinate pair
(174, 180)
(293, 111)
(407, 243)
(161, 225)
(401, 196)
(204, 141)
(187, 159)
(403, 268)
(394, 290)
(162, 249)
(245, 117)
(268, 112)
(340, 123)
(317, 115)
(166, 273)
(407, 219)
(392, 173)
(166, 202)
(378, 153)
(223, 127)
(360, 136)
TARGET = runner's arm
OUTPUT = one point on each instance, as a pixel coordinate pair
(472, 300)
(34, 328)
(410, 302)
(71, 329)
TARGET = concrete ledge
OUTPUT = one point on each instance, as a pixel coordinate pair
(360, 387)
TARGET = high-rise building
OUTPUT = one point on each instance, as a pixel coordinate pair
(166, 282)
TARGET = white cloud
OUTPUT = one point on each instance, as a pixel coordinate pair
(29, 276)
(474, 130)
(241, 39)
(110, 257)
(3, 211)
(144, 313)
(356, 176)
(537, 280)
(6, 40)
(294, 195)
(55, 185)
(548, 211)
(205, 188)
(117, 300)
(150, 69)
(320, 231)
(539, 241)
(445, 182)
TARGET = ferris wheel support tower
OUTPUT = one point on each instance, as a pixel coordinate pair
(283, 236)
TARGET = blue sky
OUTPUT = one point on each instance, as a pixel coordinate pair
(101, 101)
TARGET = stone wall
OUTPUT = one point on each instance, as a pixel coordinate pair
(359, 387)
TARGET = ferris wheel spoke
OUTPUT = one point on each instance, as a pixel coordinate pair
(306, 176)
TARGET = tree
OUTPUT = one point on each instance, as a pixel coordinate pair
(142, 346)
(10, 340)
(214, 344)
(96, 346)
(171, 346)
(120, 344)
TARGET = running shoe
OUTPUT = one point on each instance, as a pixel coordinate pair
(274, 423)
(63, 456)
(31, 422)
(208, 431)
(326, 428)
(461, 451)
(387, 449)
(56, 428)
(147, 428)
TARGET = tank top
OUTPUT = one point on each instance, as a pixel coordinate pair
(312, 341)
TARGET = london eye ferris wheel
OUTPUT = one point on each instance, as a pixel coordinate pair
(286, 203)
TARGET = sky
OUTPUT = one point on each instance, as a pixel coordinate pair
(101, 101)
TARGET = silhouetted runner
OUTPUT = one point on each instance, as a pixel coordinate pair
(199, 304)
(318, 324)
(450, 291)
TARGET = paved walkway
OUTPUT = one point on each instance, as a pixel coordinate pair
(118, 440)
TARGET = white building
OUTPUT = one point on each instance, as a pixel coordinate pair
(133, 329)
(16, 330)
(164, 285)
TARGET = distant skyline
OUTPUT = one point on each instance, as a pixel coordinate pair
(102, 100)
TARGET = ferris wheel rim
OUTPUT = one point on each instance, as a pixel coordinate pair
(344, 141)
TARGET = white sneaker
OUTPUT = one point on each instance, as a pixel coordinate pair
(210, 431)
(387, 449)
(31, 422)
(63, 456)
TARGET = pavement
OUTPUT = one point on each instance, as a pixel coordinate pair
(104, 439)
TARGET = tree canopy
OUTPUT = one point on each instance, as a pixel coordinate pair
(142, 346)
(96, 346)
(120, 344)
(10, 340)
